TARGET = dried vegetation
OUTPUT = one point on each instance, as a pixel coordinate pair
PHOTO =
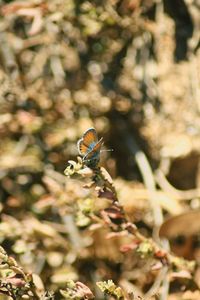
(131, 69)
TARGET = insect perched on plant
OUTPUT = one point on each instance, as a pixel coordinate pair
(89, 148)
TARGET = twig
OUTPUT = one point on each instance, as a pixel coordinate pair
(157, 283)
(8, 57)
(57, 70)
(73, 232)
(114, 217)
(194, 82)
(168, 187)
(146, 173)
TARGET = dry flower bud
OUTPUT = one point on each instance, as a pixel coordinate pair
(86, 172)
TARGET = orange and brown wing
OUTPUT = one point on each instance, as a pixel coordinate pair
(90, 137)
(82, 148)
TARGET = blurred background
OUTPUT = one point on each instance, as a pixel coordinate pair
(129, 68)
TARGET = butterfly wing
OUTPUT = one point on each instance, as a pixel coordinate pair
(82, 148)
(89, 147)
(87, 142)
(95, 152)
(90, 138)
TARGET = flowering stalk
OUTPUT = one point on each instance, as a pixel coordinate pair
(115, 218)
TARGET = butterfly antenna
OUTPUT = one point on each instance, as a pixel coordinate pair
(107, 150)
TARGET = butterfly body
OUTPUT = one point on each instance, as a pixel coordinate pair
(89, 148)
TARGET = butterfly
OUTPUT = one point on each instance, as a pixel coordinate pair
(89, 148)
